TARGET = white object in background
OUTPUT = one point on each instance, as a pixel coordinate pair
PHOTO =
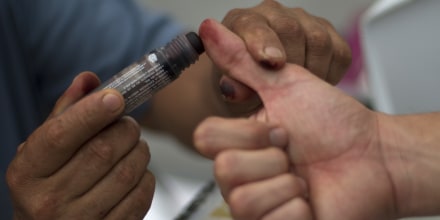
(402, 52)
(180, 174)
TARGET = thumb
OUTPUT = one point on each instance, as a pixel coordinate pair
(82, 84)
(229, 53)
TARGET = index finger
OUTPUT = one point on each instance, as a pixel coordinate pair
(228, 52)
(261, 40)
(55, 142)
(215, 135)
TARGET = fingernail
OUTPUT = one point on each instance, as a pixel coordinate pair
(112, 102)
(273, 52)
(278, 137)
(227, 90)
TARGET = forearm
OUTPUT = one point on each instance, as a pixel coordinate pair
(411, 145)
(179, 107)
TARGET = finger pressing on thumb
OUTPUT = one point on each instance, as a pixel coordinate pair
(229, 53)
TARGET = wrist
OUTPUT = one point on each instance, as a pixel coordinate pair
(412, 158)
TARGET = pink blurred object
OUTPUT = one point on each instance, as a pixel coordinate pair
(352, 82)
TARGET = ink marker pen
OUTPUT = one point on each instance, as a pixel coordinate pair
(141, 80)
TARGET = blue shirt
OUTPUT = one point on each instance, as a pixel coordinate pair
(44, 44)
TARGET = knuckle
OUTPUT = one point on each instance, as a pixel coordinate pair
(287, 26)
(101, 150)
(319, 42)
(204, 132)
(272, 3)
(244, 19)
(45, 206)
(324, 22)
(126, 173)
(230, 18)
(260, 31)
(55, 133)
(240, 202)
(224, 167)
(343, 56)
(299, 11)
(201, 143)
(13, 179)
(199, 134)
(234, 13)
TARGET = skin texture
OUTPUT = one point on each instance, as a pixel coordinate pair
(273, 34)
(86, 161)
(332, 157)
(338, 171)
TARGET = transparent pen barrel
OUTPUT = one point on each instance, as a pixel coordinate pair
(142, 79)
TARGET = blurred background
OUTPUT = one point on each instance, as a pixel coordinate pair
(378, 76)
(192, 12)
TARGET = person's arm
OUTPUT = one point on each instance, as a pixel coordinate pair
(411, 146)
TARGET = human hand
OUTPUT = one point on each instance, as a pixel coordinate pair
(333, 141)
(83, 162)
(253, 170)
(275, 34)
(301, 38)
